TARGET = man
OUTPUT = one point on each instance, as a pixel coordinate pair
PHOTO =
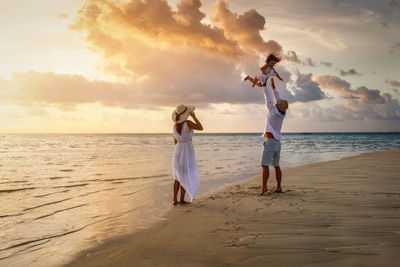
(272, 134)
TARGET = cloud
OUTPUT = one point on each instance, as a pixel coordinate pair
(305, 89)
(112, 26)
(63, 16)
(393, 4)
(157, 24)
(166, 56)
(392, 83)
(292, 56)
(309, 62)
(350, 72)
(360, 95)
(245, 28)
(395, 48)
(326, 64)
(66, 91)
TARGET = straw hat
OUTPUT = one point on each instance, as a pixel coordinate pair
(181, 113)
(283, 105)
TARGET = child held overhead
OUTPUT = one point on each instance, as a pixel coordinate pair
(267, 70)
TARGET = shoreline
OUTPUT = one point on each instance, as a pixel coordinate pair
(235, 226)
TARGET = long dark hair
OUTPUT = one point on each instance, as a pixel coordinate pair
(272, 57)
(179, 127)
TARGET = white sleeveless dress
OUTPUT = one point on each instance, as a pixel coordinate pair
(184, 163)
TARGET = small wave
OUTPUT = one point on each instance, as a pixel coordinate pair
(67, 232)
(58, 211)
(88, 180)
(94, 192)
(14, 182)
(57, 177)
(127, 194)
(134, 178)
(46, 204)
(40, 239)
(45, 195)
(68, 186)
(15, 190)
(11, 215)
(67, 170)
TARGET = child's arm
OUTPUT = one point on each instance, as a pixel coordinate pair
(263, 68)
(277, 75)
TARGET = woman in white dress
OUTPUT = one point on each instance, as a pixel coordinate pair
(185, 169)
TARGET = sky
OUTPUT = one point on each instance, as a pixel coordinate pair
(108, 66)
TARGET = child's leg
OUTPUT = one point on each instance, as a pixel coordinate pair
(248, 78)
(254, 81)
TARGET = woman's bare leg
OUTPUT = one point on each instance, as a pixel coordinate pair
(182, 200)
(176, 189)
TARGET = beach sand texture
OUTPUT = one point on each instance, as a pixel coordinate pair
(337, 213)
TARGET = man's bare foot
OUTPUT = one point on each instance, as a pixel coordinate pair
(247, 77)
(263, 191)
(175, 202)
(278, 190)
(183, 202)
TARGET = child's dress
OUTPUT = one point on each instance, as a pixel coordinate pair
(263, 77)
(184, 164)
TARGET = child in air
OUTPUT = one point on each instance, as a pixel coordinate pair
(267, 70)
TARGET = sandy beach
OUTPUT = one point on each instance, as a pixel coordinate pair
(343, 212)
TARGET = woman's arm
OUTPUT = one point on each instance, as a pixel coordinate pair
(175, 141)
(195, 125)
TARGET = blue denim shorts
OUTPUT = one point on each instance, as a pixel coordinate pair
(271, 152)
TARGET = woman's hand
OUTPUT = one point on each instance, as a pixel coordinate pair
(192, 114)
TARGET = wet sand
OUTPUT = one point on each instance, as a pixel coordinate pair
(344, 212)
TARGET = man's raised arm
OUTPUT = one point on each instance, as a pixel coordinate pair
(268, 98)
(274, 91)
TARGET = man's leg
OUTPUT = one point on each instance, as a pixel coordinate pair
(278, 174)
(265, 175)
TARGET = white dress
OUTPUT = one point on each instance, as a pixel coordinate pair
(263, 77)
(184, 164)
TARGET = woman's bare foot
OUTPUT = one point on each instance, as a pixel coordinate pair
(175, 202)
(183, 202)
(263, 191)
(278, 190)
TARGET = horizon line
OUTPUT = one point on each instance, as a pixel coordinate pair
(300, 132)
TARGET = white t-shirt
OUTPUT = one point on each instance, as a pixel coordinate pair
(275, 117)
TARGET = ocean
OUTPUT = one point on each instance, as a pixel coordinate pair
(62, 193)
